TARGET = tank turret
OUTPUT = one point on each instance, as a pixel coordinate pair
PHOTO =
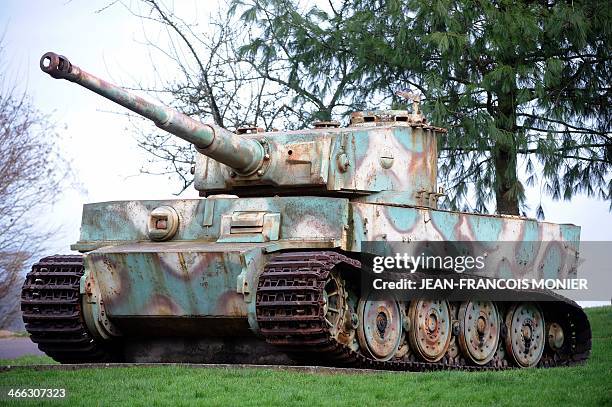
(382, 156)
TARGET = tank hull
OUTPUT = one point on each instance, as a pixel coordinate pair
(206, 273)
(202, 291)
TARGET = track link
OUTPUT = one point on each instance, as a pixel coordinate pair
(290, 314)
(51, 308)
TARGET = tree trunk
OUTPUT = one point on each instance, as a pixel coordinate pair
(505, 171)
(504, 158)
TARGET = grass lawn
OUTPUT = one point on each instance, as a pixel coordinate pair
(590, 384)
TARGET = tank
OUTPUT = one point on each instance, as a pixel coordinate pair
(273, 263)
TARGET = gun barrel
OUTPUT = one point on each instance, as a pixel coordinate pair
(243, 155)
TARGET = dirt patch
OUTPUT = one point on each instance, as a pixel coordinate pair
(6, 334)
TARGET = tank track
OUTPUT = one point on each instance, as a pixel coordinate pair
(51, 308)
(290, 314)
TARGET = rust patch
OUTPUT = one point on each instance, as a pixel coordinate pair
(231, 303)
(162, 305)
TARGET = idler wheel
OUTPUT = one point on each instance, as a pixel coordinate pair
(525, 339)
(334, 303)
(430, 331)
(380, 328)
(478, 330)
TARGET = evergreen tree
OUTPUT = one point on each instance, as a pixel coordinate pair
(304, 51)
(524, 87)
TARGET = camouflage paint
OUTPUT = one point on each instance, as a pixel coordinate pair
(539, 248)
(318, 218)
(194, 275)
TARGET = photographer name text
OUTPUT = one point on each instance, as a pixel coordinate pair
(477, 284)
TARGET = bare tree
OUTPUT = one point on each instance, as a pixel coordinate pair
(212, 83)
(244, 67)
(12, 265)
(31, 175)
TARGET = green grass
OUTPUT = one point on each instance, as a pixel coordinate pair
(20, 334)
(590, 384)
(28, 360)
(11, 334)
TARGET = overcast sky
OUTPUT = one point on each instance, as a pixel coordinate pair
(105, 157)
